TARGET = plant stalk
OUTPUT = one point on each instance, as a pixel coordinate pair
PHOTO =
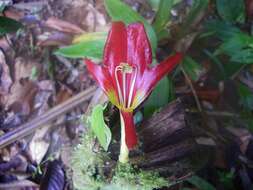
(124, 152)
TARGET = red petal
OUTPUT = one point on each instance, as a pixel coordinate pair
(131, 137)
(165, 67)
(139, 51)
(152, 76)
(116, 46)
(100, 74)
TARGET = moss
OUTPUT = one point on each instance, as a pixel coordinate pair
(89, 171)
(87, 166)
(128, 175)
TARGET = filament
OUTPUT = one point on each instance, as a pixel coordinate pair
(118, 68)
(132, 87)
(124, 68)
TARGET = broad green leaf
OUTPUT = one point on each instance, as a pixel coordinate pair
(163, 34)
(120, 11)
(94, 36)
(192, 68)
(161, 95)
(90, 49)
(98, 126)
(8, 25)
(162, 16)
(231, 10)
(200, 183)
(88, 45)
(246, 96)
(154, 4)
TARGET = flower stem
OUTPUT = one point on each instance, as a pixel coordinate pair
(123, 156)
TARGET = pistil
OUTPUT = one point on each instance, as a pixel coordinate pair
(125, 101)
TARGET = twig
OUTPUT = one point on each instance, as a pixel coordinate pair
(192, 89)
(222, 114)
(217, 113)
(238, 72)
(47, 117)
(247, 82)
(18, 184)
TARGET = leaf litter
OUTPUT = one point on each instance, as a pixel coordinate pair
(33, 80)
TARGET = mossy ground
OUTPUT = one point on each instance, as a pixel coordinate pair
(90, 171)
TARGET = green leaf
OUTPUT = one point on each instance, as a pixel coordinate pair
(154, 4)
(90, 49)
(223, 30)
(90, 45)
(221, 73)
(225, 70)
(231, 10)
(247, 117)
(200, 183)
(244, 56)
(120, 11)
(163, 34)
(198, 7)
(163, 15)
(98, 126)
(227, 178)
(87, 37)
(161, 96)
(2, 7)
(246, 96)
(236, 42)
(239, 47)
(8, 25)
(192, 68)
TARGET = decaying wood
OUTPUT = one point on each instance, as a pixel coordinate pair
(165, 128)
(52, 114)
(168, 154)
(165, 136)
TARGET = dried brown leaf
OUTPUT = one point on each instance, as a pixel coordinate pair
(23, 89)
(38, 145)
(63, 26)
(54, 39)
(64, 94)
(5, 78)
(14, 14)
(243, 135)
(4, 45)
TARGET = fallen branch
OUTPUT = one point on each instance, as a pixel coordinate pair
(29, 127)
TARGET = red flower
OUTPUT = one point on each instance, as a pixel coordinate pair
(126, 76)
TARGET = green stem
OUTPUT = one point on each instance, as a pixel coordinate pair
(123, 156)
